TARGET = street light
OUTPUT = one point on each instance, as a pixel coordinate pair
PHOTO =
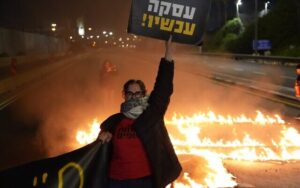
(53, 27)
(81, 31)
(239, 2)
(266, 7)
(255, 28)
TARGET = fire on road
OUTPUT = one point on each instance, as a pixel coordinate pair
(204, 141)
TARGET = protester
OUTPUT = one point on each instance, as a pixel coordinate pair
(297, 82)
(297, 86)
(13, 66)
(107, 78)
(142, 155)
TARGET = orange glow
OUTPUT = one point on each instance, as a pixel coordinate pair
(203, 140)
(84, 138)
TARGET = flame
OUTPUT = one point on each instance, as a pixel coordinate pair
(84, 138)
(210, 138)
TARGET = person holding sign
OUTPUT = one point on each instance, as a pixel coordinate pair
(142, 154)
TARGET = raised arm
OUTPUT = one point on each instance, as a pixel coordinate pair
(169, 50)
(160, 96)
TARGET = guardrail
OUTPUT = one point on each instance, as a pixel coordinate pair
(290, 61)
(6, 61)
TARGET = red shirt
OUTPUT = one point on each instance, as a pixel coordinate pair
(129, 160)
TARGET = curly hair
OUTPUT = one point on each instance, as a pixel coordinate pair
(133, 81)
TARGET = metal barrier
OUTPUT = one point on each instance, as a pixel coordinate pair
(290, 61)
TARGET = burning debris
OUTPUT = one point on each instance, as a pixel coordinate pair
(204, 140)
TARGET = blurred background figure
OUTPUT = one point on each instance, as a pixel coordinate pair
(297, 86)
(108, 73)
(13, 66)
(108, 68)
(297, 82)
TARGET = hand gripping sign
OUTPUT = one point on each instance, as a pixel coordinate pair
(185, 20)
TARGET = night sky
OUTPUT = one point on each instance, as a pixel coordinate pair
(35, 15)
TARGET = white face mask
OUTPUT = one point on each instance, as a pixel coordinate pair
(134, 108)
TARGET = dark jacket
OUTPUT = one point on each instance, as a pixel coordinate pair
(150, 128)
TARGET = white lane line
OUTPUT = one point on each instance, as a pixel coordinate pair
(289, 77)
(260, 73)
(238, 69)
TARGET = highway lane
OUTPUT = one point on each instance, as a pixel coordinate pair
(274, 73)
(22, 66)
(45, 121)
(264, 75)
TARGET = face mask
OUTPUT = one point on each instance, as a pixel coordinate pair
(133, 108)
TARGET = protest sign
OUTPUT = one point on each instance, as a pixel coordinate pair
(184, 20)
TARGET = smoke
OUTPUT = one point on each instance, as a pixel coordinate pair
(197, 93)
(73, 97)
(70, 99)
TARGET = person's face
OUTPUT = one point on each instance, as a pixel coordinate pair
(133, 92)
(298, 71)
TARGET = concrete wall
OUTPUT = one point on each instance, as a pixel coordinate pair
(15, 43)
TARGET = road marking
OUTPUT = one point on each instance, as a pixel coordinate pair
(289, 77)
(260, 73)
(262, 95)
(8, 101)
(238, 69)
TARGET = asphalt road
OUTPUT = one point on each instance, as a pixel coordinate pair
(44, 122)
(259, 71)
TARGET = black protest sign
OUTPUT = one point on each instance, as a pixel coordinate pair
(85, 167)
(185, 20)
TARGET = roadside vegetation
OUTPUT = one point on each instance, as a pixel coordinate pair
(281, 26)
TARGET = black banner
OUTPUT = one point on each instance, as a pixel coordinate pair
(82, 168)
(185, 20)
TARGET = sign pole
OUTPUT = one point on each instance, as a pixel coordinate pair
(255, 27)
